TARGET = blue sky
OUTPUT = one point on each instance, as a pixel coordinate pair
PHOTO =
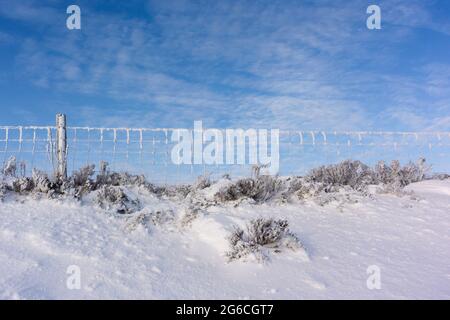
(309, 65)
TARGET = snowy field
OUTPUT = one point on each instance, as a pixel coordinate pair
(407, 237)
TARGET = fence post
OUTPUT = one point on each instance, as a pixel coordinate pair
(61, 146)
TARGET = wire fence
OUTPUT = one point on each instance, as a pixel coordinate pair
(148, 150)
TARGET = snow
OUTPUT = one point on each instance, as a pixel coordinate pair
(407, 237)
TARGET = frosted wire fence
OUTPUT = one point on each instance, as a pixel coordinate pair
(148, 151)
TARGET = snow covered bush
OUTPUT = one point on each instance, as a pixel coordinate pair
(80, 182)
(121, 179)
(161, 217)
(319, 191)
(259, 189)
(41, 182)
(82, 177)
(38, 183)
(179, 191)
(136, 221)
(190, 215)
(322, 181)
(394, 178)
(413, 172)
(339, 182)
(115, 199)
(440, 176)
(3, 190)
(355, 174)
(383, 173)
(259, 238)
(23, 185)
(146, 217)
(202, 183)
(10, 167)
(107, 178)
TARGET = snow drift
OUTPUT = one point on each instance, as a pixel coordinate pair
(262, 237)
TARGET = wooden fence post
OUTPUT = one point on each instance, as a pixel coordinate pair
(61, 146)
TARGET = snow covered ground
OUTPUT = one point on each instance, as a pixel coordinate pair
(407, 237)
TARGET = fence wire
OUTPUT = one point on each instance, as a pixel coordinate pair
(148, 151)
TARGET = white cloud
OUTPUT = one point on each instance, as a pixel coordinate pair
(233, 63)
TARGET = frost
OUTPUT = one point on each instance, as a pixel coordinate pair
(259, 189)
(23, 185)
(41, 181)
(10, 168)
(115, 199)
(354, 174)
(260, 237)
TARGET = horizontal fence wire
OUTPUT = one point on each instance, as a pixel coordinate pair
(148, 151)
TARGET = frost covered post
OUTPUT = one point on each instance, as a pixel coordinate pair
(61, 146)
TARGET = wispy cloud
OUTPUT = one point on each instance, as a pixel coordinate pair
(243, 63)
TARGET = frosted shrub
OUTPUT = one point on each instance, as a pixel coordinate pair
(23, 185)
(266, 187)
(293, 184)
(202, 182)
(146, 218)
(114, 198)
(121, 179)
(41, 181)
(134, 222)
(308, 189)
(80, 183)
(82, 177)
(440, 176)
(394, 178)
(191, 214)
(413, 172)
(259, 189)
(3, 190)
(355, 174)
(383, 173)
(83, 182)
(260, 237)
(105, 177)
(179, 191)
(10, 167)
(234, 191)
(161, 217)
